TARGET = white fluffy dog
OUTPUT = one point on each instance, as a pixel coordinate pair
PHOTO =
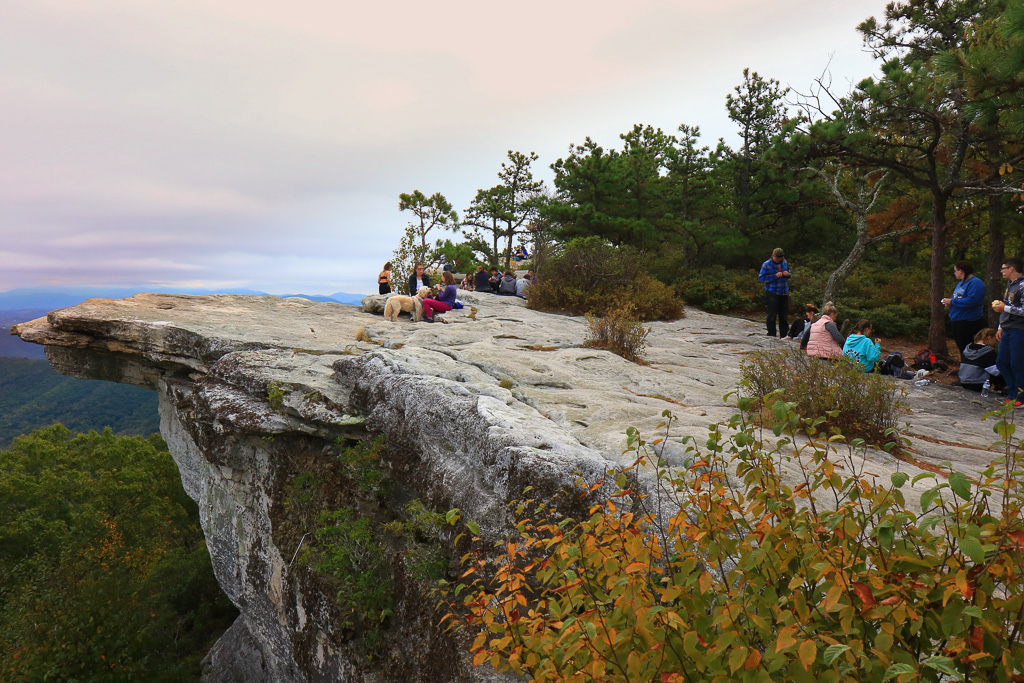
(410, 304)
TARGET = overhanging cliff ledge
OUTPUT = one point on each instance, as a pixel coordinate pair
(473, 411)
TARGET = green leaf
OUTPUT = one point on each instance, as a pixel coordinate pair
(474, 527)
(832, 653)
(973, 611)
(452, 516)
(923, 475)
(899, 479)
(960, 484)
(886, 536)
(943, 664)
(898, 669)
(972, 548)
(928, 497)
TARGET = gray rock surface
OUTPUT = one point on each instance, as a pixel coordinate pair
(500, 398)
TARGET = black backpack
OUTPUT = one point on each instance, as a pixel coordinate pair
(893, 364)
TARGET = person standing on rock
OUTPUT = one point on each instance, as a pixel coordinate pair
(1011, 331)
(966, 306)
(419, 278)
(384, 279)
(775, 276)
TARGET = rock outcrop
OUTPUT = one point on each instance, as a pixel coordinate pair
(252, 390)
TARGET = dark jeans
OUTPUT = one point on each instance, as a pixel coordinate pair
(778, 307)
(1010, 362)
(964, 331)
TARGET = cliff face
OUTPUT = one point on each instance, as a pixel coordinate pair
(254, 391)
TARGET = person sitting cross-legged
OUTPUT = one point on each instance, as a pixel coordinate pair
(445, 299)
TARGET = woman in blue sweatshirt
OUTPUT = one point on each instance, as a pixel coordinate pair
(966, 306)
(860, 348)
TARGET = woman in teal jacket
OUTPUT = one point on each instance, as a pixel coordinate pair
(860, 348)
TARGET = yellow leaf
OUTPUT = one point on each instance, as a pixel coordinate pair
(808, 652)
(786, 639)
(736, 658)
(705, 582)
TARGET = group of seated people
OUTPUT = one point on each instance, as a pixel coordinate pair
(496, 282)
(820, 337)
(445, 299)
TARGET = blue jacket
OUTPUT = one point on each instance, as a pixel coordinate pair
(775, 285)
(968, 300)
(862, 350)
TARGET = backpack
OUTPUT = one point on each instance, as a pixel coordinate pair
(924, 360)
(893, 364)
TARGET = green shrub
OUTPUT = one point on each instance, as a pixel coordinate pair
(893, 320)
(751, 579)
(719, 290)
(592, 276)
(619, 332)
(868, 404)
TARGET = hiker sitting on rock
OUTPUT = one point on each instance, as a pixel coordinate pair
(823, 338)
(445, 299)
(978, 362)
(860, 348)
(800, 325)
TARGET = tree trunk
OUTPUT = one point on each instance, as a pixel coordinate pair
(937, 325)
(496, 254)
(996, 251)
(840, 274)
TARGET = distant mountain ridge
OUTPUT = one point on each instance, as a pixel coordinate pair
(52, 298)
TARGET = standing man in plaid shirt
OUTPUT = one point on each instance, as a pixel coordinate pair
(775, 276)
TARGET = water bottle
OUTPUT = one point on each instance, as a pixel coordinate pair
(985, 387)
(921, 382)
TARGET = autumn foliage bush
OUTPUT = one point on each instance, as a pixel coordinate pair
(731, 572)
(592, 276)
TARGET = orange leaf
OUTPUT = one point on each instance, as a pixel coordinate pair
(965, 587)
(1018, 537)
(705, 582)
(753, 659)
(891, 600)
(808, 652)
(479, 657)
(567, 586)
(634, 567)
(977, 639)
(863, 591)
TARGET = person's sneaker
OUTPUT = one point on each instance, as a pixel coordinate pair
(920, 374)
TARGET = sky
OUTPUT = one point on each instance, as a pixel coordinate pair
(263, 144)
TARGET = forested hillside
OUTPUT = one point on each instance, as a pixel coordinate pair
(104, 572)
(32, 396)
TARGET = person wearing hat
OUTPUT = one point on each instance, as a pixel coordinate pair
(775, 276)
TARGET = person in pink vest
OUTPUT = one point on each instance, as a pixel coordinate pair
(824, 340)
